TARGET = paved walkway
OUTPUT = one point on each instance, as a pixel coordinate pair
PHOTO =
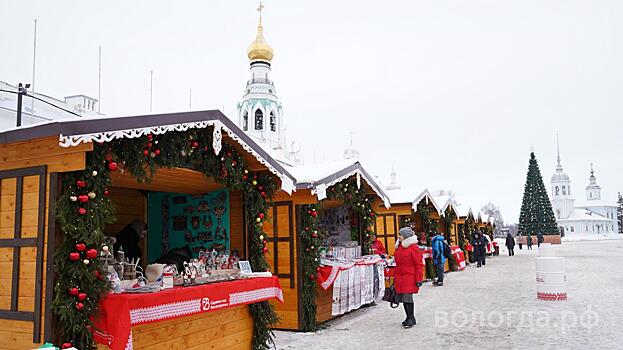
(495, 307)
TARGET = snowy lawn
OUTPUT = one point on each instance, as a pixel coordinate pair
(494, 307)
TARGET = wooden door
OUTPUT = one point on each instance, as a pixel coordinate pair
(386, 228)
(22, 237)
(282, 260)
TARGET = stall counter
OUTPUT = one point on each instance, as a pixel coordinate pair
(126, 321)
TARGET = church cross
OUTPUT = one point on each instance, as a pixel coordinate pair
(259, 9)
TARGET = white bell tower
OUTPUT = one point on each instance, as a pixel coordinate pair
(593, 190)
(562, 201)
(260, 113)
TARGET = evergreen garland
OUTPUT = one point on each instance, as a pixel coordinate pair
(84, 209)
(360, 203)
(430, 228)
(536, 214)
(310, 241)
(448, 219)
(468, 230)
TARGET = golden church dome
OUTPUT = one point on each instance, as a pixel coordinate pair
(259, 48)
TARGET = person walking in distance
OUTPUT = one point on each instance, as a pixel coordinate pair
(479, 242)
(529, 242)
(539, 239)
(409, 272)
(510, 244)
(439, 260)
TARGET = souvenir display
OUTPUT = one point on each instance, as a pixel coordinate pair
(200, 222)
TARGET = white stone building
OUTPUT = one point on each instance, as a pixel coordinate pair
(590, 217)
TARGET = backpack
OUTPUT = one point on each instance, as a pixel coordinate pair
(447, 251)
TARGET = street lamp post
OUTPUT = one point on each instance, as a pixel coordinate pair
(21, 91)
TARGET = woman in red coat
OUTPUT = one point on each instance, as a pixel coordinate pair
(377, 246)
(409, 271)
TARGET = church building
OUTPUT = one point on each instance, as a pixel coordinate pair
(590, 217)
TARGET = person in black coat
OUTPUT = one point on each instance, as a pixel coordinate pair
(529, 242)
(128, 238)
(479, 242)
(510, 244)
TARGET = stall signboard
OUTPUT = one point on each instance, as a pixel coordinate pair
(176, 220)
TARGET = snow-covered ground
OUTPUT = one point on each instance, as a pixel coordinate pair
(495, 307)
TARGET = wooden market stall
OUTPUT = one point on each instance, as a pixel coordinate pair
(294, 249)
(466, 225)
(62, 182)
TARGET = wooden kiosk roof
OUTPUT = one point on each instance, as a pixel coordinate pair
(85, 130)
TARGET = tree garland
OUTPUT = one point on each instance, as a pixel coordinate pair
(361, 205)
(84, 209)
(448, 219)
(310, 240)
(430, 227)
(468, 229)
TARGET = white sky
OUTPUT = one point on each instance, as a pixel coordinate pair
(453, 93)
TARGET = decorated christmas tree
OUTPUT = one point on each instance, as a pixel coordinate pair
(536, 214)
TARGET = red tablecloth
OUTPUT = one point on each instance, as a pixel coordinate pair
(119, 312)
(459, 256)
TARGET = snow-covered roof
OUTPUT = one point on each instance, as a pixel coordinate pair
(325, 175)
(464, 211)
(445, 202)
(584, 215)
(595, 203)
(401, 195)
(429, 199)
(33, 111)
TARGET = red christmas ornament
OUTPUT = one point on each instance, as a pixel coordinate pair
(74, 256)
(108, 157)
(145, 152)
(112, 166)
(260, 188)
(98, 274)
(314, 235)
(265, 250)
(149, 144)
(91, 253)
(79, 306)
(229, 154)
(157, 152)
(81, 183)
(66, 346)
(83, 198)
(195, 144)
(74, 291)
(82, 211)
(82, 296)
(80, 247)
(312, 277)
(106, 193)
(206, 148)
(314, 214)
(244, 177)
(150, 137)
(263, 194)
(261, 215)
